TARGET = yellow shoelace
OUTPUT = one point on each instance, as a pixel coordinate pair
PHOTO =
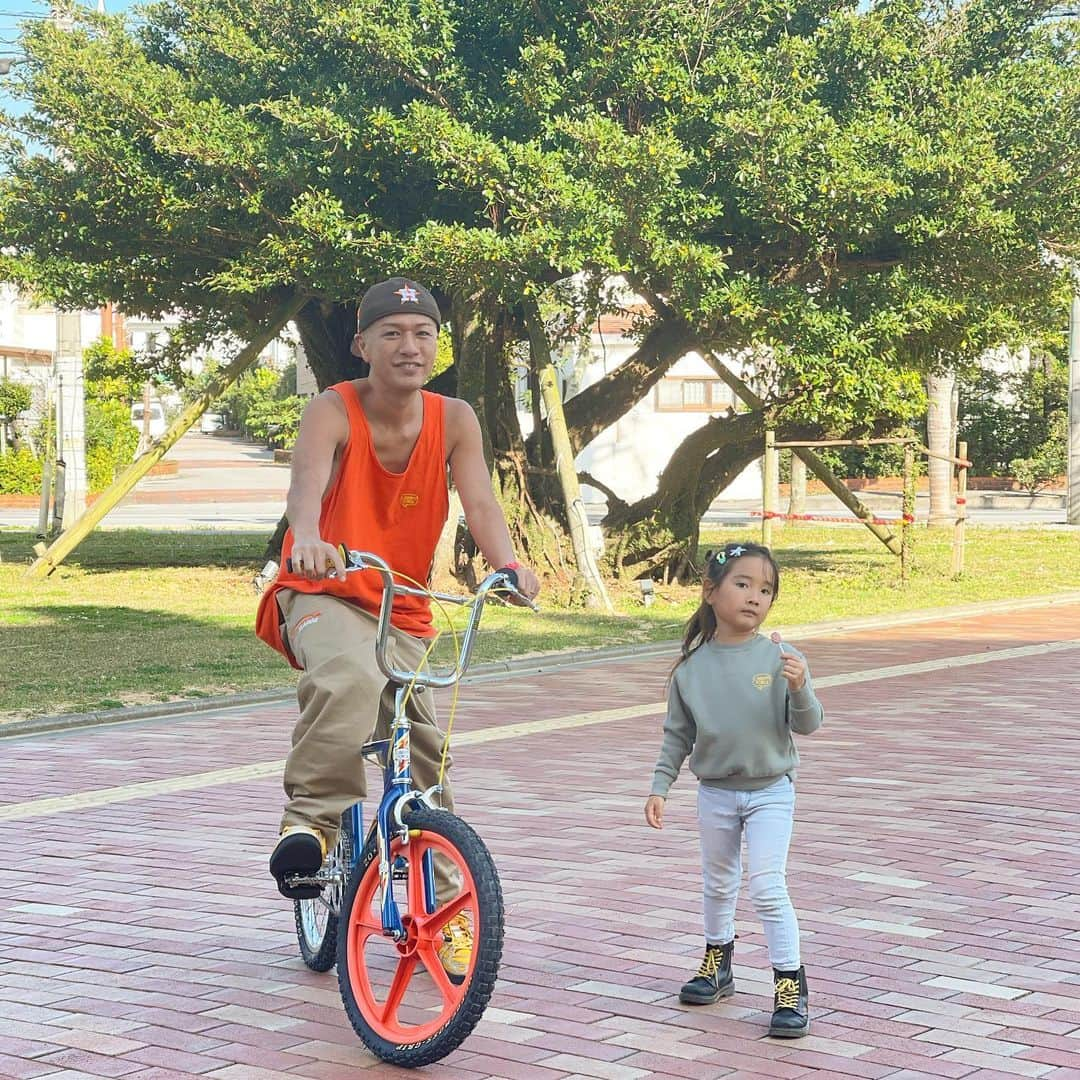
(709, 964)
(787, 994)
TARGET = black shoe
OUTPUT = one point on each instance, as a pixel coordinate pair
(299, 853)
(791, 1004)
(713, 980)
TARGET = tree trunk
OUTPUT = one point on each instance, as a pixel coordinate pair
(326, 332)
(592, 584)
(941, 439)
(797, 501)
(660, 532)
(444, 567)
(482, 337)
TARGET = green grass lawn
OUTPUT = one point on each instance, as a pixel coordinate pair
(139, 616)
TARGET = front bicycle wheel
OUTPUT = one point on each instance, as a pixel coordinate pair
(317, 919)
(397, 996)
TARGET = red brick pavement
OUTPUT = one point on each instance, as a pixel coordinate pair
(935, 870)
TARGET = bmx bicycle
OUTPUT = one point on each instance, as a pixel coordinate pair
(379, 916)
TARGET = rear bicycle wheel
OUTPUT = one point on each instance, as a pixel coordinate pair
(317, 919)
(396, 994)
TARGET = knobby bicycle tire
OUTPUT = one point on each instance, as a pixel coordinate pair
(412, 1046)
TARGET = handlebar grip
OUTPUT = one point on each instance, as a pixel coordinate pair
(511, 575)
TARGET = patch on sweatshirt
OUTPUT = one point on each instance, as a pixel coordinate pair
(763, 681)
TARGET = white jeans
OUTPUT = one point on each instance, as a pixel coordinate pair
(766, 817)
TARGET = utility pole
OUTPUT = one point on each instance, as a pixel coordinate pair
(72, 415)
(1073, 478)
(70, 403)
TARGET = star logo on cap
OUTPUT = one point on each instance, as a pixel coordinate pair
(408, 294)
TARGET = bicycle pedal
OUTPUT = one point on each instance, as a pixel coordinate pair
(319, 880)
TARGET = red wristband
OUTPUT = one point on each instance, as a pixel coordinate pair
(512, 565)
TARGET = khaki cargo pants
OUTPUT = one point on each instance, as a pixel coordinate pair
(345, 701)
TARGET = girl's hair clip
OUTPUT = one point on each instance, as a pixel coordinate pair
(722, 556)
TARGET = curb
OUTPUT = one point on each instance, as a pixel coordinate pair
(535, 664)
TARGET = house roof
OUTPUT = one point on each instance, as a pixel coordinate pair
(620, 323)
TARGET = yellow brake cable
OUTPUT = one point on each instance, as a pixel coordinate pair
(424, 659)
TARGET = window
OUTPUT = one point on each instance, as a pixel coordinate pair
(681, 394)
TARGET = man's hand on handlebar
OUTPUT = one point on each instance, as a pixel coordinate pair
(525, 581)
(313, 558)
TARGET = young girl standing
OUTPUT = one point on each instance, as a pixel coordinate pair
(735, 698)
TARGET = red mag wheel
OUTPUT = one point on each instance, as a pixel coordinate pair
(400, 1000)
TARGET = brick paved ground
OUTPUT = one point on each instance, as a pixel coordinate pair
(935, 869)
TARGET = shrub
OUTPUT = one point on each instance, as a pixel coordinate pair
(20, 473)
(111, 441)
(277, 421)
(252, 389)
(1048, 462)
(15, 398)
(1008, 417)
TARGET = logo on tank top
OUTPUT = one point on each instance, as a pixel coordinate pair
(763, 681)
(408, 499)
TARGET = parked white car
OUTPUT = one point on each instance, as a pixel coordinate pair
(157, 418)
(210, 422)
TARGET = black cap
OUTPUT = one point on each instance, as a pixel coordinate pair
(396, 296)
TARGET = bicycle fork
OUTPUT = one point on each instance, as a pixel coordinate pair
(397, 785)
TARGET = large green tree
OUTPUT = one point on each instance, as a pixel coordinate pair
(845, 197)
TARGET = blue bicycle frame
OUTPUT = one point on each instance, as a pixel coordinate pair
(398, 791)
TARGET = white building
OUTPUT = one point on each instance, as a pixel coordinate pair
(630, 455)
(29, 334)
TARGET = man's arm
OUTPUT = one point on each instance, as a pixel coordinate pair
(484, 516)
(324, 428)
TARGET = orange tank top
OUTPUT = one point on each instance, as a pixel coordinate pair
(398, 516)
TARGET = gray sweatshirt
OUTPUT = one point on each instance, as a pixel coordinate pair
(729, 710)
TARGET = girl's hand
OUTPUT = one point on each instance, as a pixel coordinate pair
(654, 811)
(793, 667)
(794, 670)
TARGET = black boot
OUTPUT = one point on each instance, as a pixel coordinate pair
(791, 1004)
(713, 979)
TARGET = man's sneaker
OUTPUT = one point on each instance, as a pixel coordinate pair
(713, 979)
(791, 1004)
(455, 953)
(300, 852)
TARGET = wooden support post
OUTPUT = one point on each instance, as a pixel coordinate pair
(961, 510)
(71, 537)
(770, 478)
(813, 462)
(907, 511)
(48, 460)
(595, 591)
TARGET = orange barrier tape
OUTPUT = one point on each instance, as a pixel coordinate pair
(907, 519)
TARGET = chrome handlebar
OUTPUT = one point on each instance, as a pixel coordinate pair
(499, 580)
